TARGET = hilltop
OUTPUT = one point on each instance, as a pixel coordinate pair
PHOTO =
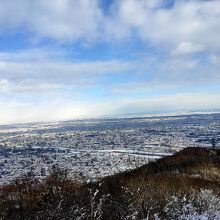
(193, 161)
(184, 185)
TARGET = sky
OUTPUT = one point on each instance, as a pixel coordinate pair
(70, 59)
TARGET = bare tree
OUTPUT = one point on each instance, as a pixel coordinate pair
(213, 142)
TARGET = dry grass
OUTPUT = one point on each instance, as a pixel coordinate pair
(144, 190)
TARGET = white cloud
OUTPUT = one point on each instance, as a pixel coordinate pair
(38, 73)
(187, 48)
(215, 59)
(17, 112)
(186, 21)
(29, 88)
(65, 20)
(51, 65)
(60, 19)
(41, 73)
(169, 103)
(35, 54)
(178, 64)
(4, 86)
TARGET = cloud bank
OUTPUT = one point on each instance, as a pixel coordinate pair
(89, 58)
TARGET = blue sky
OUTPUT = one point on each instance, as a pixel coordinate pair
(69, 59)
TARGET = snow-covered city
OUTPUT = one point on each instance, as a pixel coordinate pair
(94, 148)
